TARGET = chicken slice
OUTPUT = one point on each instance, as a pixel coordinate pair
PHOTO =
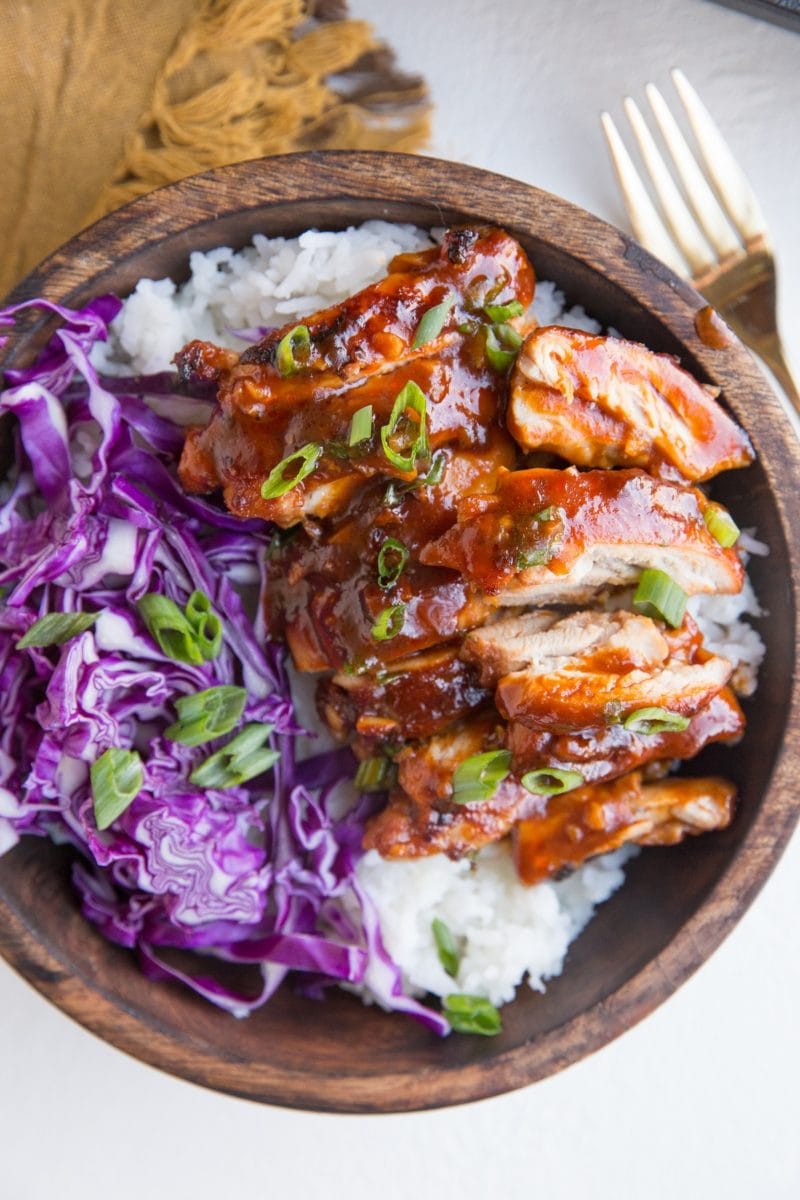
(375, 329)
(604, 754)
(362, 353)
(237, 451)
(603, 402)
(421, 818)
(593, 820)
(412, 700)
(551, 537)
(591, 669)
(325, 594)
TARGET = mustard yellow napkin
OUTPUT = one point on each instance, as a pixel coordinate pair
(102, 100)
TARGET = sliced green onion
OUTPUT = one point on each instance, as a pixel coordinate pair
(205, 623)
(659, 596)
(389, 623)
(206, 715)
(278, 484)
(55, 629)
(537, 557)
(508, 336)
(721, 525)
(498, 358)
(537, 545)
(393, 494)
(169, 626)
(361, 426)
(392, 558)
(551, 781)
(244, 757)
(375, 774)
(499, 313)
(472, 1014)
(434, 476)
(293, 350)
(395, 490)
(433, 322)
(476, 779)
(409, 398)
(655, 720)
(446, 947)
(116, 779)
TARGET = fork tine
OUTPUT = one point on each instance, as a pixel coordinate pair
(731, 181)
(715, 224)
(647, 224)
(693, 245)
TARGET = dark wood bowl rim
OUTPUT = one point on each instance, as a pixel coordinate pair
(376, 177)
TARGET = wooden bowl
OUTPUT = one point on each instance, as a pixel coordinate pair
(677, 904)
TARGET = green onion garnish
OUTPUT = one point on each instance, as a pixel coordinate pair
(293, 350)
(433, 322)
(537, 557)
(207, 715)
(539, 537)
(244, 757)
(395, 491)
(205, 623)
(169, 626)
(55, 629)
(477, 778)
(471, 1014)
(409, 399)
(551, 781)
(446, 947)
(361, 426)
(278, 484)
(434, 476)
(389, 623)
(655, 720)
(392, 557)
(499, 313)
(116, 779)
(721, 525)
(499, 358)
(375, 774)
(508, 336)
(659, 596)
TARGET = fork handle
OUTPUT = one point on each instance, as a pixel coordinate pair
(773, 355)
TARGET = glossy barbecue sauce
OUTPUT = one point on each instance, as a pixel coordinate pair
(547, 518)
(410, 701)
(711, 329)
(466, 520)
(602, 754)
(603, 402)
(326, 593)
(594, 820)
(362, 354)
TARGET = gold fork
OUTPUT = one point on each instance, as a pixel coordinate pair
(726, 255)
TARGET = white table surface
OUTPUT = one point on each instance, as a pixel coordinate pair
(701, 1100)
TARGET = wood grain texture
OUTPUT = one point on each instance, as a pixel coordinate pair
(677, 904)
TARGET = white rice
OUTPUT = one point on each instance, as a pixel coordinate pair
(269, 283)
(506, 931)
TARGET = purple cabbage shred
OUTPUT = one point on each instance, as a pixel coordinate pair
(256, 881)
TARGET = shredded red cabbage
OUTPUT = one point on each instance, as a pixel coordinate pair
(259, 876)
